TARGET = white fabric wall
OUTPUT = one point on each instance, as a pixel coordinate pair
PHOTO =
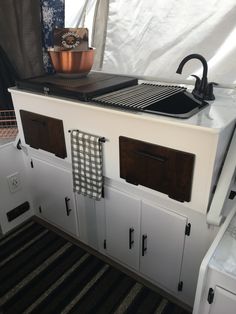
(151, 37)
(80, 13)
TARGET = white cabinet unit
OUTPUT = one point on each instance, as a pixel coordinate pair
(205, 135)
(122, 226)
(53, 195)
(128, 212)
(159, 245)
(163, 236)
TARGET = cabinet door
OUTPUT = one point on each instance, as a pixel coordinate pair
(162, 245)
(224, 302)
(53, 195)
(91, 221)
(122, 226)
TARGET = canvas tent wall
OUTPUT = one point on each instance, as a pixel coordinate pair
(150, 38)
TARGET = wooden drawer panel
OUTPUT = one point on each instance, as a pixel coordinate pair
(42, 132)
(160, 168)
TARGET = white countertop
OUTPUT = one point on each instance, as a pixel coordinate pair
(219, 113)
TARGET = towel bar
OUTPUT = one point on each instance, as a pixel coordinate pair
(101, 139)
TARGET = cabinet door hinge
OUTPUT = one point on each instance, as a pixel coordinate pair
(18, 145)
(210, 296)
(232, 195)
(105, 244)
(188, 229)
(180, 286)
(31, 163)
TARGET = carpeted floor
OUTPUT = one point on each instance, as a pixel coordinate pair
(41, 272)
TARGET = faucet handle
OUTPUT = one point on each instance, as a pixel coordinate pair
(197, 78)
(213, 83)
(209, 91)
(198, 81)
(197, 93)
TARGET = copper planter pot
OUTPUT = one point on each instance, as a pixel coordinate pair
(72, 63)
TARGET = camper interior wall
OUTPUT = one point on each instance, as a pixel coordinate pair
(12, 163)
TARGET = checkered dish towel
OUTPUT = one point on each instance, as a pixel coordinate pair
(86, 153)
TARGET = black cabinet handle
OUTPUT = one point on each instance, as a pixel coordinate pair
(43, 123)
(131, 240)
(210, 296)
(144, 244)
(68, 209)
(148, 155)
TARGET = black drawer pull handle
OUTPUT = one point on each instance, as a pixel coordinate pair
(131, 240)
(68, 209)
(43, 123)
(144, 247)
(148, 155)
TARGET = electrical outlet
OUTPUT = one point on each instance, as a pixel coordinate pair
(14, 183)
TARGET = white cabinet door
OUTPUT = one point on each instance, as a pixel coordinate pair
(162, 245)
(53, 195)
(91, 221)
(122, 226)
(224, 302)
(87, 223)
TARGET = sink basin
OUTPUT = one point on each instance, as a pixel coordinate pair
(182, 105)
(168, 100)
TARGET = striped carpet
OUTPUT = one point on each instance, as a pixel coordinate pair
(41, 272)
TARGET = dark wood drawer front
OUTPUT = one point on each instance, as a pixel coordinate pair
(44, 132)
(160, 168)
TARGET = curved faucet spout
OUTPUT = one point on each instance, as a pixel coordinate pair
(194, 56)
(202, 89)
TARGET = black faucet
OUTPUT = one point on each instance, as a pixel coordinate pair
(202, 90)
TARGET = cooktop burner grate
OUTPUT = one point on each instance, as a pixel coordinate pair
(139, 97)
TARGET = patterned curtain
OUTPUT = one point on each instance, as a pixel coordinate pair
(52, 16)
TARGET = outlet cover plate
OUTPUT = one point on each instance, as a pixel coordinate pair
(14, 182)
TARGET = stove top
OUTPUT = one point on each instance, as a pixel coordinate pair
(85, 88)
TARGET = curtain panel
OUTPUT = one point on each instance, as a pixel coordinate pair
(99, 32)
(91, 14)
(20, 35)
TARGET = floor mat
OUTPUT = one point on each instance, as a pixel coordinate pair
(41, 272)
